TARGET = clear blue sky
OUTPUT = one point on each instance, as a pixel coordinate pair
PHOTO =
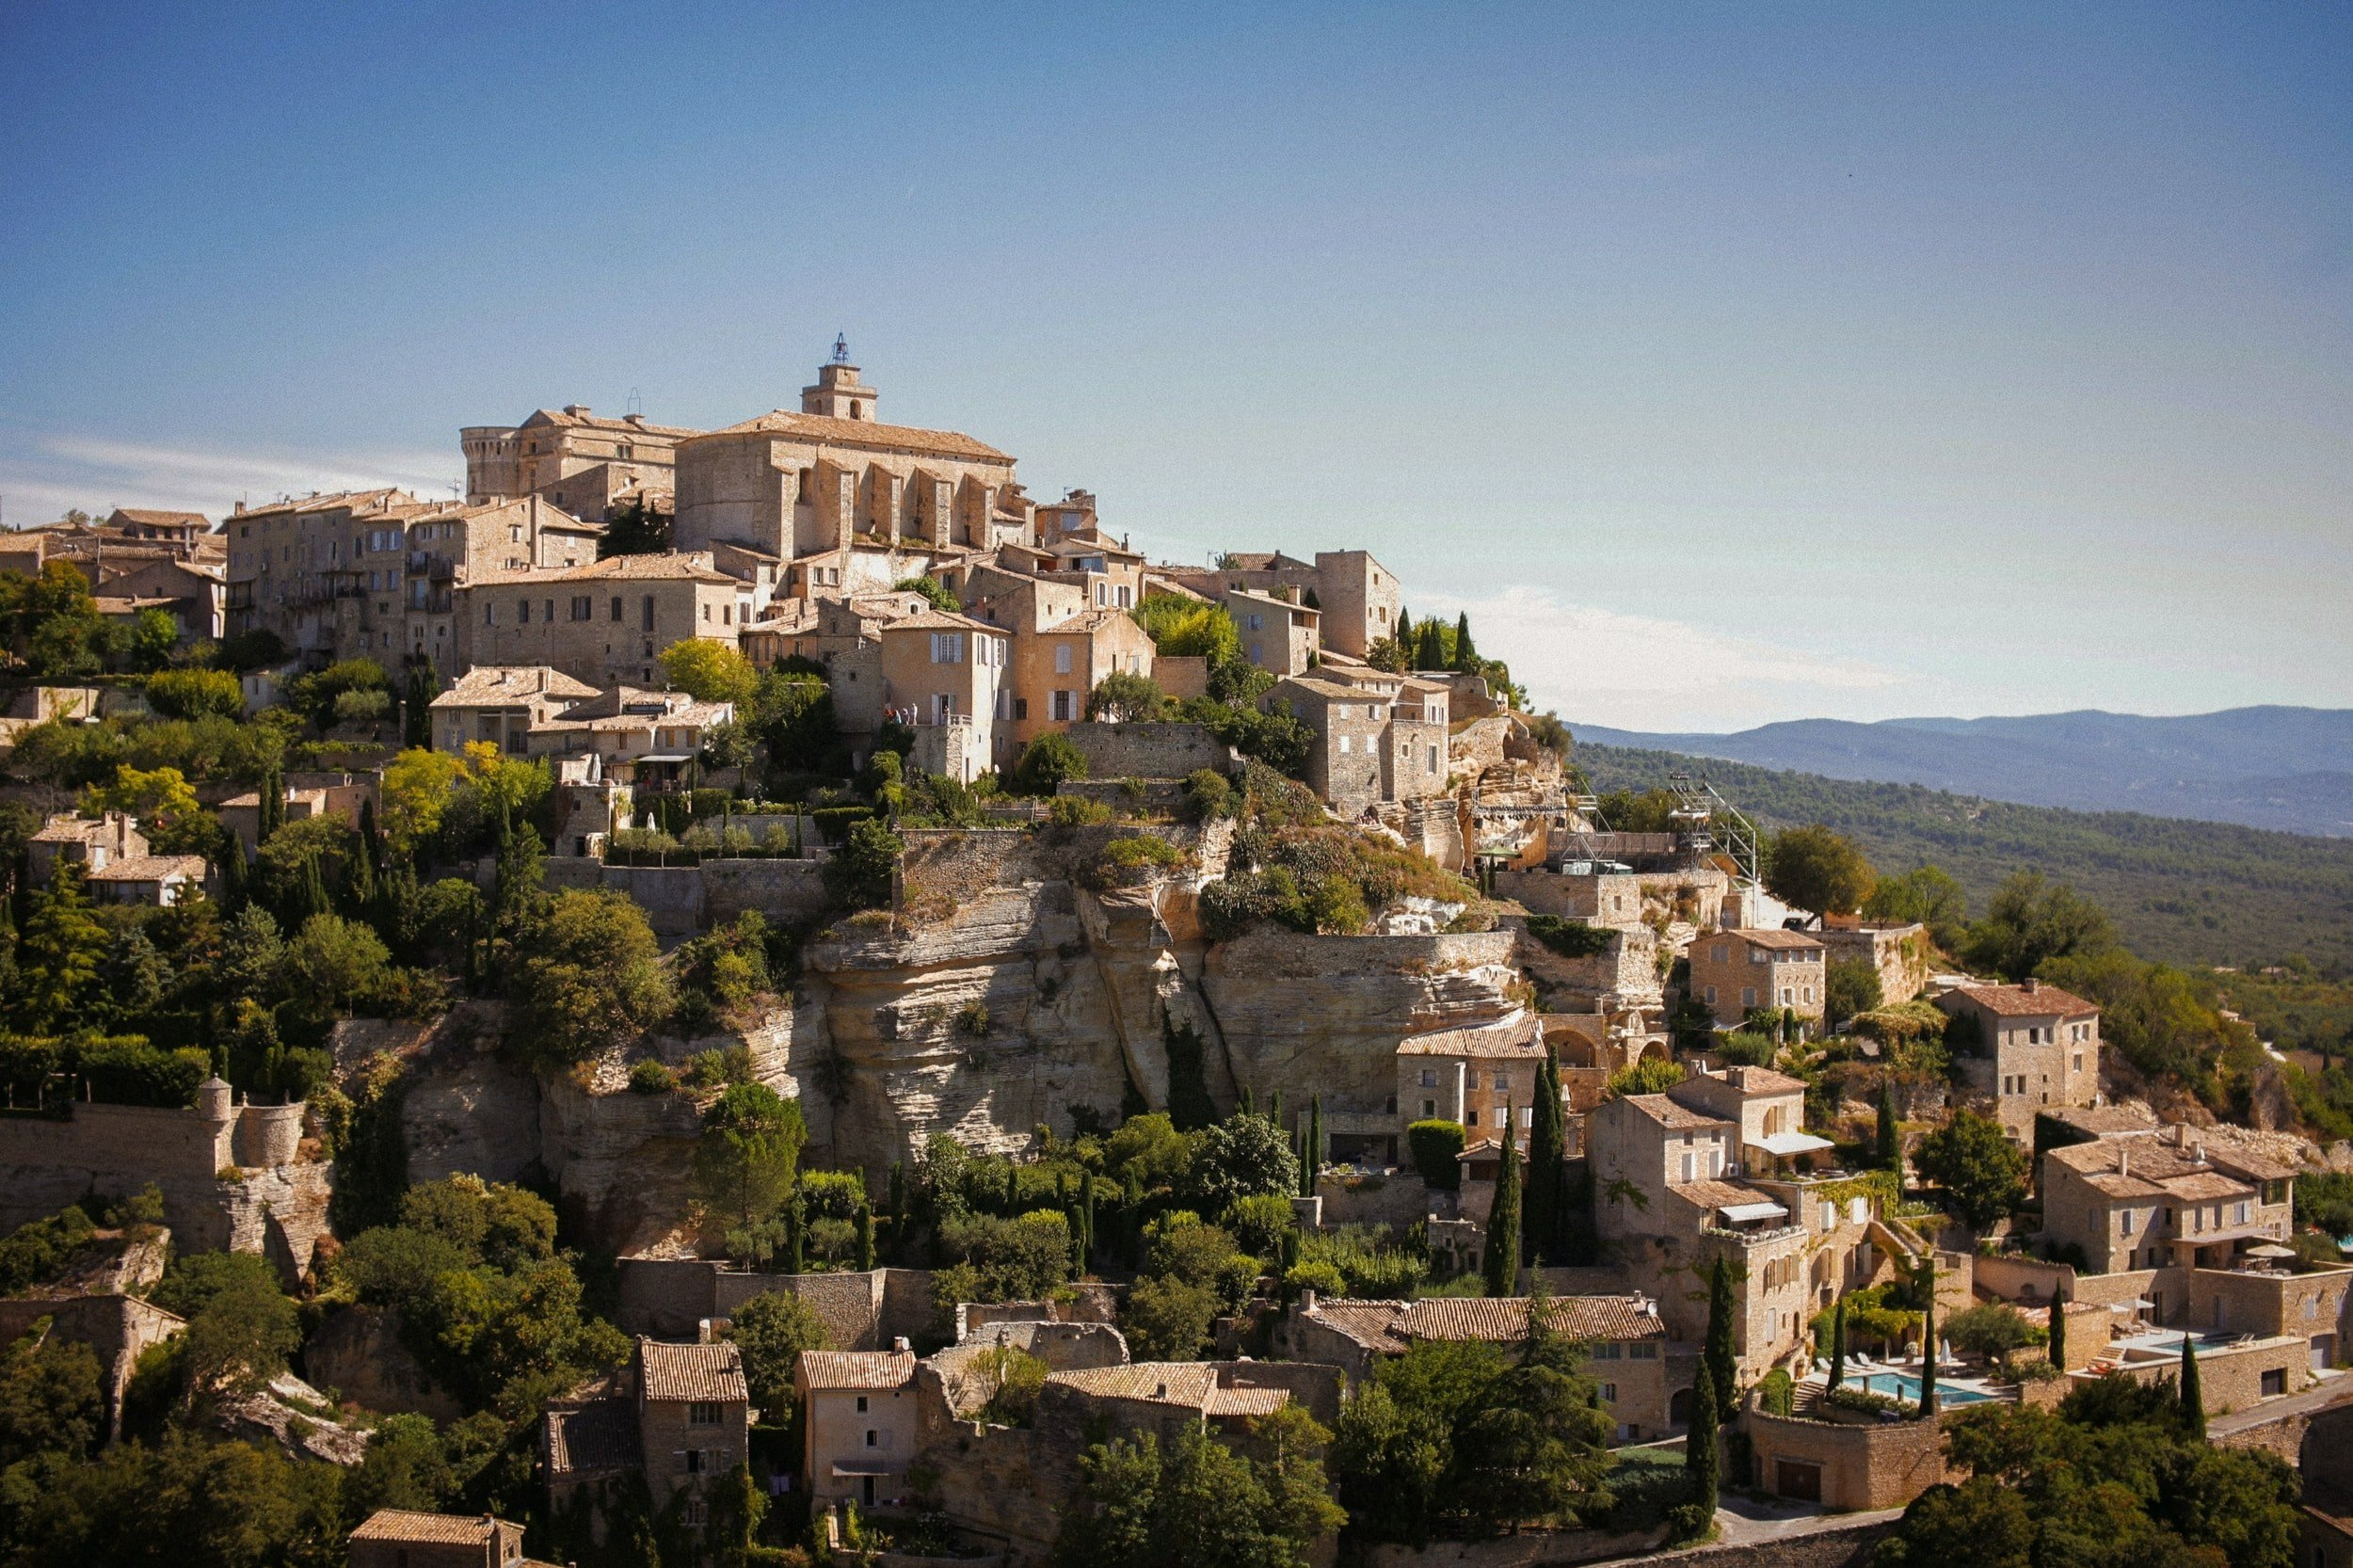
(1730, 363)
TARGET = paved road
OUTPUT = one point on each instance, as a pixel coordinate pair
(1740, 1522)
(2335, 1390)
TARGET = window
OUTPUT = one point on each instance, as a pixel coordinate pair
(1061, 706)
(873, 1438)
(646, 610)
(1500, 1079)
(522, 612)
(617, 607)
(583, 607)
(1609, 1393)
(1711, 996)
(694, 1461)
(1257, 623)
(1346, 744)
(1430, 1078)
(702, 1413)
(1061, 658)
(1433, 759)
(1021, 707)
(1528, 1115)
(1429, 1109)
(1748, 996)
(947, 648)
(1689, 1167)
(1470, 1118)
(1122, 598)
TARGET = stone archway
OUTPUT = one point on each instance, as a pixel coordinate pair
(1679, 1408)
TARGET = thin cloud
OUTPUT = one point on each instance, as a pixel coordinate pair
(1639, 672)
(93, 473)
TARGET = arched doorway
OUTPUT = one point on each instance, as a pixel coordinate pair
(1679, 1408)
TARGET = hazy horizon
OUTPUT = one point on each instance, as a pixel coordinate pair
(1727, 367)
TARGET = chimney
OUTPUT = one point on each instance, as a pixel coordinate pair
(1306, 1301)
(2123, 1160)
(2031, 986)
(899, 1344)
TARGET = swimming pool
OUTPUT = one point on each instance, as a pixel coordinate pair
(1899, 1386)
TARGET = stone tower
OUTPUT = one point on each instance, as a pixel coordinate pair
(839, 394)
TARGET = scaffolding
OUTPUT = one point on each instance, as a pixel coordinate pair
(1712, 822)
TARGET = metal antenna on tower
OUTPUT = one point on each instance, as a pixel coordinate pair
(636, 403)
(841, 349)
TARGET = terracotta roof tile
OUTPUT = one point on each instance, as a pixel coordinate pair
(857, 1368)
(1781, 941)
(1245, 1402)
(1517, 1036)
(486, 683)
(593, 1439)
(1717, 1194)
(1505, 1317)
(632, 569)
(667, 1371)
(149, 868)
(1762, 1081)
(824, 429)
(1667, 1113)
(2016, 1001)
(1371, 1324)
(438, 1529)
(1185, 1383)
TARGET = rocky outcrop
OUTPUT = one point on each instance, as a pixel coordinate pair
(472, 1112)
(620, 1162)
(296, 1416)
(357, 1353)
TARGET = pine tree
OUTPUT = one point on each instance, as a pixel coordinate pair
(1928, 1335)
(1546, 1232)
(1838, 1343)
(2193, 1391)
(2058, 1328)
(1722, 1361)
(1890, 1150)
(1466, 656)
(1702, 1461)
(1503, 1219)
(865, 1238)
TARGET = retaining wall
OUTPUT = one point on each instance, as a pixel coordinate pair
(1150, 750)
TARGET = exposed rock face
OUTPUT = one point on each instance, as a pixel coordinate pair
(471, 1113)
(296, 1416)
(620, 1162)
(359, 1354)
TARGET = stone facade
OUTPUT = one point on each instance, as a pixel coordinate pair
(2035, 1048)
(1732, 971)
(603, 622)
(1856, 1467)
(1897, 954)
(591, 465)
(1149, 750)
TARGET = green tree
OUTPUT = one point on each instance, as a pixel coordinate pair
(1850, 985)
(1818, 869)
(1991, 1329)
(1928, 1333)
(1890, 1141)
(1703, 1459)
(1926, 895)
(1184, 628)
(942, 597)
(1837, 1344)
(336, 965)
(2056, 1334)
(52, 1398)
(2032, 921)
(745, 1157)
(1546, 1229)
(58, 955)
(1982, 1173)
(1167, 1318)
(1241, 1157)
(1502, 1258)
(1653, 1075)
(771, 1331)
(637, 530)
(1717, 1349)
(859, 874)
(1198, 1504)
(193, 694)
(709, 671)
(1045, 762)
(590, 976)
(240, 1338)
(2193, 1391)
(416, 706)
(1127, 699)
(1466, 656)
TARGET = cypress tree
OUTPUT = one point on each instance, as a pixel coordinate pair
(1433, 656)
(1928, 1335)
(1891, 1148)
(273, 803)
(1275, 1115)
(865, 1236)
(1545, 1238)
(1013, 1190)
(2058, 1328)
(1503, 1219)
(1405, 632)
(1838, 1343)
(1241, 1103)
(416, 708)
(2193, 1391)
(313, 891)
(1721, 1360)
(898, 1207)
(1702, 1461)
(797, 1238)
(1086, 1218)
(1466, 656)
(1315, 1142)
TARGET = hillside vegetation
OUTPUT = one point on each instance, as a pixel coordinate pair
(2183, 892)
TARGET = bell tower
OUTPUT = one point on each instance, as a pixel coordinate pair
(839, 394)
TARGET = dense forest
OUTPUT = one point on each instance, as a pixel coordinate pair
(2181, 892)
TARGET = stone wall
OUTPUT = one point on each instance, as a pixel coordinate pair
(1861, 1467)
(1539, 1548)
(1397, 1200)
(1627, 968)
(1839, 1546)
(1150, 750)
(668, 1298)
(116, 1328)
(682, 900)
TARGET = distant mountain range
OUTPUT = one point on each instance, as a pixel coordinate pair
(2290, 769)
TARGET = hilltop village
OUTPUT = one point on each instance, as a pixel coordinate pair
(762, 995)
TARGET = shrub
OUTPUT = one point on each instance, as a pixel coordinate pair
(1077, 811)
(361, 706)
(1569, 938)
(1131, 860)
(1437, 1148)
(972, 1018)
(1127, 699)
(1847, 1397)
(1777, 1393)
(858, 875)
(1319, 1276)
(650, 1077)
(194, 694)
(1044, 763)
(1209, 796)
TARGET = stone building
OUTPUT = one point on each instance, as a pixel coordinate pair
(944, 677)
(194, 593)
(680, 1415)
(1897, 951)
(605, 622)
(1057, 667)
(1280, 635)
(1374, 741)
(1478, 1076)
(2027, 1048)
(307, 794)
(502, 704)
(93, 844)
(649, 740)
(376, 574)
(592, 466)
(1733, 971)
(833, 479)
(859, 1428)
(1357, 597)
(401, 1538)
